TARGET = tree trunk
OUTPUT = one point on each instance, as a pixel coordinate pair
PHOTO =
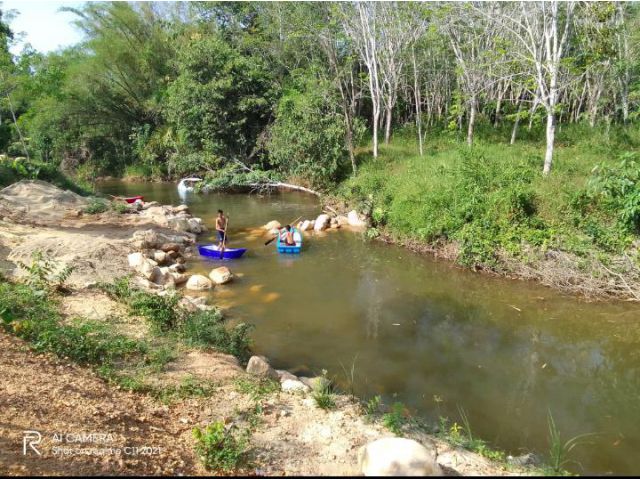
(472, 120)
(387, 128)
(514, 132)
(15, 122)
(416, 91)
(551, 134)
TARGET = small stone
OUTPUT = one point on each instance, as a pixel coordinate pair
(135, 259)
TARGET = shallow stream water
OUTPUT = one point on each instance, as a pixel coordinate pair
(430, 335)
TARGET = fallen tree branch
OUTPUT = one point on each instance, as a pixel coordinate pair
(289, 186)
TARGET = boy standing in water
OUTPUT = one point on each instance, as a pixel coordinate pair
(221, 226)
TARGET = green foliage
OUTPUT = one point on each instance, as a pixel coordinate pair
(189, 387)
(396, 418)
(96, 205)
(202, 329)
(307, 139)
(44, 274)
(322, 395)
(32, 316)
(257, 387)
(220, 99)
(14, 170)
(373, 406)
(560, 449)
(207, 329)
(491, 201)
(219, 449)
(161, 312)
(461, 436)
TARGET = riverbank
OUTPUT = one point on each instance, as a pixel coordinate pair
(139, 342)
(489, 209)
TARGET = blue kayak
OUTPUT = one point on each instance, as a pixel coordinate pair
(212, 251)
(284, 248)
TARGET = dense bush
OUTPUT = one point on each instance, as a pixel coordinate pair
(307, 139)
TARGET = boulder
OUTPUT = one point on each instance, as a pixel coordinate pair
(273, 224)
(220, 275)
(354, 219)
(322, 222)
(135, 259)
(188, 305)
(179, 278)
(160, 257)
(260, 367)
(306, 225)
(398, 457)
(179, 223)
(285, 375)
(147, 269)
(177, 268)
(170, 247)
(342, 220)
(294, 386)
(196, 225)
(180, 209)
(199, 282)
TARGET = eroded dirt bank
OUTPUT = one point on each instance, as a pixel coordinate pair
(290, 434)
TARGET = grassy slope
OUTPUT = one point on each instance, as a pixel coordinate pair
(492, 202)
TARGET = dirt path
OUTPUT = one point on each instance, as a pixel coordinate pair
(45, 394)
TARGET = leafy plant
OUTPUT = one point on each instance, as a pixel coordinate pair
(372, 407)
(218, 448)
(45, 274)
(395, 419)
(322, 395)
(96, 205)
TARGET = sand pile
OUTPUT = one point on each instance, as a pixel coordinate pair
(39, 201)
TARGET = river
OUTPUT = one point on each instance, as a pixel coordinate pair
(430, 335)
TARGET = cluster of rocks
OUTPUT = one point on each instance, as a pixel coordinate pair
(324, 221)
(259, 366)
(177, 218)
(159, 259)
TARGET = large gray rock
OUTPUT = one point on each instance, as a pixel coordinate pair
(196, 225)
(398, 457)
(199, 282)
(322, 222)
(220, 275)
(259, 366)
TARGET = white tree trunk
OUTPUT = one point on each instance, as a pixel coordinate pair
(551, 135)
(472, 120)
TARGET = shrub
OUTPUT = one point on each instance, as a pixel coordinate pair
(96, 205)
(219, 449)
(322, 395)
(395, 418)
(207, 329)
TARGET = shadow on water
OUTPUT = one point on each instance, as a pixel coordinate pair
(505, 351)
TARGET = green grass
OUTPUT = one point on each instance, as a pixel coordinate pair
(201, 329)
(493, 198)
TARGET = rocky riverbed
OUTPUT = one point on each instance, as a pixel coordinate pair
(153, 243)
